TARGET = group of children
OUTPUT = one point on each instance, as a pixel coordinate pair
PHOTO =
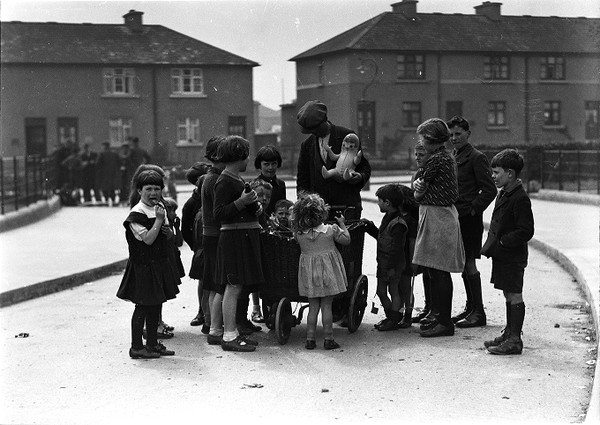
(223, 219)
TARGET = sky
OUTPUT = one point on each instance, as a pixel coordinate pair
(269, 32)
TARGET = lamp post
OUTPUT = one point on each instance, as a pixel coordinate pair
(365, 112)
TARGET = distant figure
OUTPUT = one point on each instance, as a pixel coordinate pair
(126, 168)
(108, 173)
(138, 155)
(88, 174)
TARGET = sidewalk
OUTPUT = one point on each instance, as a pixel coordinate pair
(41, 258)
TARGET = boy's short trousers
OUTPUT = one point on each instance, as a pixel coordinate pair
(508, 277)
(471, 228)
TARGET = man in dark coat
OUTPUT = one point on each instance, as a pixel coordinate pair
(312, 118)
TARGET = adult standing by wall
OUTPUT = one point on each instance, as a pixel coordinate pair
(107, 173)
(88, 173)
(127, 169)
(312, 118)
(138, 155)
(476, 191)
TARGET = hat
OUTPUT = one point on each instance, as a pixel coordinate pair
(196, 170)
(311, 115)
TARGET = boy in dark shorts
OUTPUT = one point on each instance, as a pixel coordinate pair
(510, 230)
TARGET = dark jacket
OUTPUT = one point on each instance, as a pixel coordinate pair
(188, 214)
(310, 179)
(391, 242)
(476, 189)
(511, 228)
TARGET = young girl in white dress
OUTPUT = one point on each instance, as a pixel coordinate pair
(321, 273)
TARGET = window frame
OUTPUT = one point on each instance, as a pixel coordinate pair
(413, 69)
(408, 115)
(122, 128)
(191, 128)
(552, 113)
(496, 107)
(559, 63)
(496, 67)
(187, 77)
(119, 83)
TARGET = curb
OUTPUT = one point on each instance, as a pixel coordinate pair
(29, 214)
(59, 284)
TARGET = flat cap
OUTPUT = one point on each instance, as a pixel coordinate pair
(312, 114)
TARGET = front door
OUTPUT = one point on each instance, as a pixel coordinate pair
(35, 136)
(365, 120)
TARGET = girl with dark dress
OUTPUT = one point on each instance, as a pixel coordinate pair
(239, 265)
(150, 277)
(268, 160)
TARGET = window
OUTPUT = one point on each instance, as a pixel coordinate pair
(496, 114)
(187, 81)
(237, 126)
(552, 113)
(592, 120)
(454, 109)
(496, 68)
(552, 68)
(410, 67)
(120, 130)
(119, 81)
(188, 130)
(411, 114)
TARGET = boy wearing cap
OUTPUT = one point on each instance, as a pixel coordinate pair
(312, 118)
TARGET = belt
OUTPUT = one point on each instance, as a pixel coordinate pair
(241, 226)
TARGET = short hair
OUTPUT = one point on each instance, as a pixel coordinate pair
(231, 149)
(267, 153)
(308, 212)
(195, 171)
(261, 183)
(134, 197)
(283, 203)
(434, 130)
(458, 121)
(212, 146)
(390, 192)
(149, 177)
(509, 159)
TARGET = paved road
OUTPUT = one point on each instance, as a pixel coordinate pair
(73, 368)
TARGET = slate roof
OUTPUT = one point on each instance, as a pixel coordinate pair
(466, 33)
(37, 42)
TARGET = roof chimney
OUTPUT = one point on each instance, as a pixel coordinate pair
(133, 20)
(489, 9)
(406, 7)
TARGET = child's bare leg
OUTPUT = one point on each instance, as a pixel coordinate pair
(382, 294)
(327, 317)
(230, 301)
(216, 313)
(406, 295)
(205, 305)
(201, 315)
(314, 304)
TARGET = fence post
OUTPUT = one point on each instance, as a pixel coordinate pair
(16, 182)
(2, 185)
(26, 175)
(560, 182)
(578, 170)
(542, 162)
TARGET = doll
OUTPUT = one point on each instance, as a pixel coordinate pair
(347, 160)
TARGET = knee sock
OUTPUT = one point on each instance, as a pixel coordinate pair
(152, 316)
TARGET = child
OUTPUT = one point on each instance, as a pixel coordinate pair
(510, 230)
(191, 230)
(421, 157)
(210, 240)
(280, 219)
(321, 273)
(150, 277)
(239, 265)
(177, 240)
(438, 248)
(264, 192)
(268, 160)
(410, 214)
(391, 256)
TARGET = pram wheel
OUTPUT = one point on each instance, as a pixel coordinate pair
(358, 303)
(284, 320)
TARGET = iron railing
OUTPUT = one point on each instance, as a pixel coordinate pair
(570, 170)
(25, 180)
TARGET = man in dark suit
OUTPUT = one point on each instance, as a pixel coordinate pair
(312, 118)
